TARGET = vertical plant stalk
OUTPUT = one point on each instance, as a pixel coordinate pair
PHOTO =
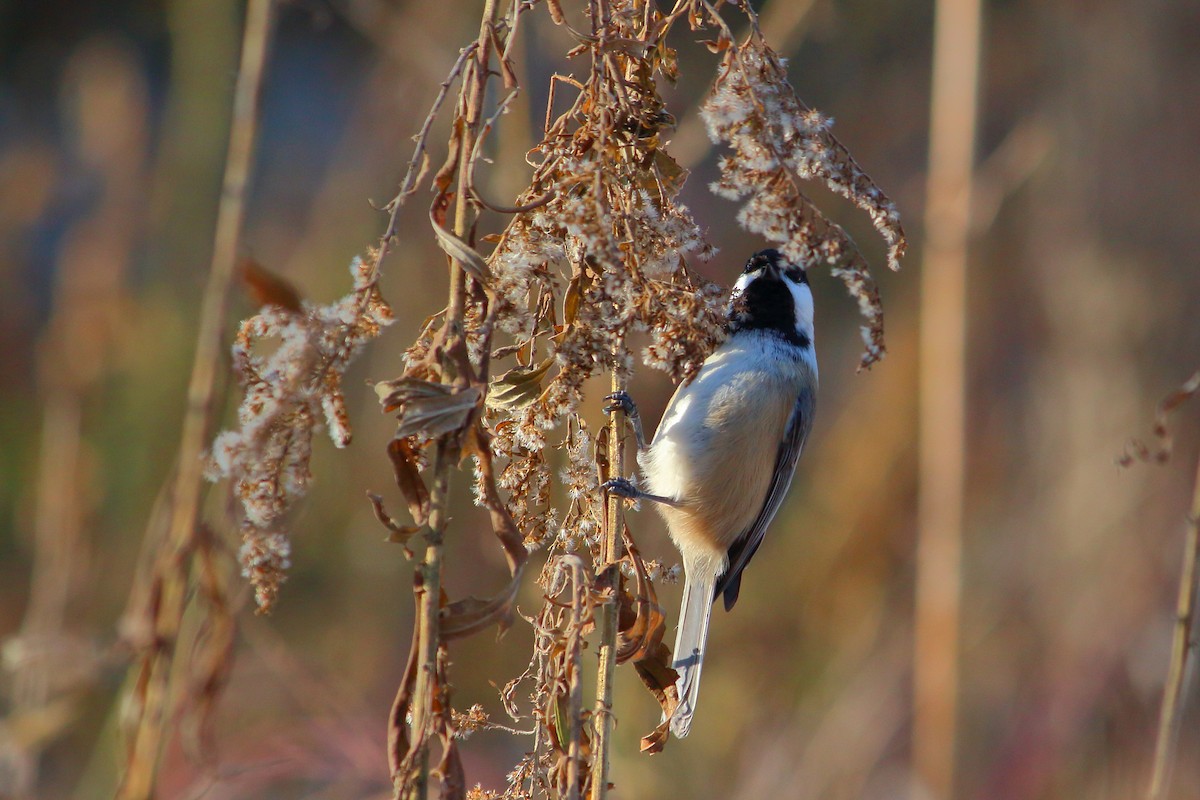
(609, 611)
(580, 588)
(1171, 714)
(153, 682)
(942, 412)
(430, 571)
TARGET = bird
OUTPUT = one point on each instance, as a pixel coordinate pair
(723, 456)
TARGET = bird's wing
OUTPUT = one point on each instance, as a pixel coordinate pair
(747, 542)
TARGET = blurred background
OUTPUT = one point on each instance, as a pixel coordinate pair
(1082, 299)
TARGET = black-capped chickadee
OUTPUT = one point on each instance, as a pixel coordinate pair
(723, 456)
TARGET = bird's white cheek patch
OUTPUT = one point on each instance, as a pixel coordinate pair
(743, 281)
(803, 300)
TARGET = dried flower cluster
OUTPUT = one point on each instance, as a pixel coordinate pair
(290, 392)
(777, 142)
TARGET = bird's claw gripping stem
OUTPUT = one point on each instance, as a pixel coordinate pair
(621, 401)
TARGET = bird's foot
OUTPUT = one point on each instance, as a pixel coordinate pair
(621, 401)
(622, 487)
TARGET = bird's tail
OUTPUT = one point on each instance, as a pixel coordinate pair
(689, 647)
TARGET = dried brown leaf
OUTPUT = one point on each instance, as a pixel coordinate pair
(671, 176)
(428, 409)
(268, 289)
(503, 525)
(445, 174)
(658, 676)
(518, 387)
(573, 297)
(472, 615)
(398, 743)
(466, 256)
(642, 622)
(397, 533)
(454, 778)
(408, 479)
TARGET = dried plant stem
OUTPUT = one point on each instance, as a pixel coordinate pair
(613, 522)
(943, 394)
(579, 611)
(430, 570)
(153, 681)
(1171, 716)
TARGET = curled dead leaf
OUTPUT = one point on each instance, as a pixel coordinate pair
(518, 387)
(268, 289)
(408, 480)
(397, 533)
(450, 768)
(466, 256)
(658, 676)
(427, 409)
(472, 615)
(642, 623)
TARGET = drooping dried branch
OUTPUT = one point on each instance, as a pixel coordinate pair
(778, 143)
(289, 393)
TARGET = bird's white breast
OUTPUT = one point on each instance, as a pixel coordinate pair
(715, 450)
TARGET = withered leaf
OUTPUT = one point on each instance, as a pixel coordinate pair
(408, 479)
(670, 175)
(454, 778)
(268, 289)
(445, 173)
(573, 298)
(601, 455)
(518, 387)
(642, 622)
(654, 741)
(658, 676)
(506, 351)
(502, 522)
(668, 62)
(398, 744)
(506, 67)
(427, 409)
(398, 534)
(469, 616)
(466, 256)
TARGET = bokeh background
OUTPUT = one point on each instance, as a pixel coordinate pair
(1083, 297)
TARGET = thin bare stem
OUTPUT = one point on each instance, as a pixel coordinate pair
(603, 717)
(1171, 715)
(416, 164)
(156, 665)
(430, 571)
(943, 393)
(579, 611)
